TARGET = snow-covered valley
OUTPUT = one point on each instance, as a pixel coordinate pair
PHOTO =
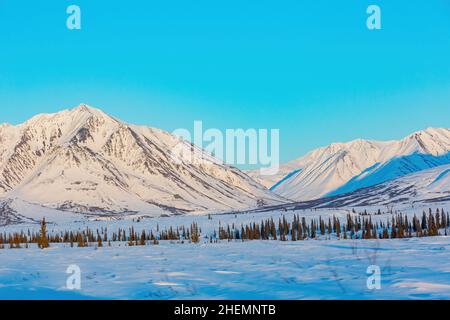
(326, 268)
(336, 269)
(92, 175)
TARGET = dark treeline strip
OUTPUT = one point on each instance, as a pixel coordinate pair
(98, 237)
(355, 226)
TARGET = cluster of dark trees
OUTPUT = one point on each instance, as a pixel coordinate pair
(99, 237)
(355, 226)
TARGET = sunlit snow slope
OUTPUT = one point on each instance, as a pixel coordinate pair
(344, 167)
(427, 186)
(83, 160)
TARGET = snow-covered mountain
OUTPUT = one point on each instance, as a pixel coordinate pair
(284, 172)
(83, 160)
(345, 167)
(392, 169)
(427, 186)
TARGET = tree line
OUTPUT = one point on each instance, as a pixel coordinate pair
(396, 226)
(98, 237)
(355, 226)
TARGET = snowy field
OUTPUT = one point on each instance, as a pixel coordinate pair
(410, 269)
(417, 268)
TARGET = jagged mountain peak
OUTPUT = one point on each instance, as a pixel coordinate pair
(74, 115)
(83, 107)
(417, 141)
(431, 131)
(83, 160)
(327, 169)
(356, 143)
(86, 110)
(435, 141)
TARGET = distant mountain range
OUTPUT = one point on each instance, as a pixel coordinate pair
(343, 168)
(430, 186)
(83, 160)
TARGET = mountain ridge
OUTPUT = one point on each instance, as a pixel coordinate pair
(84, 160)
(325, 170)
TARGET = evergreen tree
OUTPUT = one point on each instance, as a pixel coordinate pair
(43, 241)
(424, 221)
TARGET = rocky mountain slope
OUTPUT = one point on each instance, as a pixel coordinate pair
(83, 160)
(427, 186)
(344, 167)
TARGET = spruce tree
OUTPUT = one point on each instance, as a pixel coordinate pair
(43, 241)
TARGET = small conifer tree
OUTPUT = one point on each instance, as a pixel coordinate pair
(43, 241)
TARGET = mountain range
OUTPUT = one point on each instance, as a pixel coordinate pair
(342, 168)
(423, 187)
(83, 160)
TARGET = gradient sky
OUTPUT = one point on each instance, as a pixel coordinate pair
(310, 68)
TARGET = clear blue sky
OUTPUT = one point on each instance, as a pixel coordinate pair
(310, 68)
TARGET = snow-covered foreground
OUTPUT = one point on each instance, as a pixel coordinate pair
(416, 268)
(314, 269)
